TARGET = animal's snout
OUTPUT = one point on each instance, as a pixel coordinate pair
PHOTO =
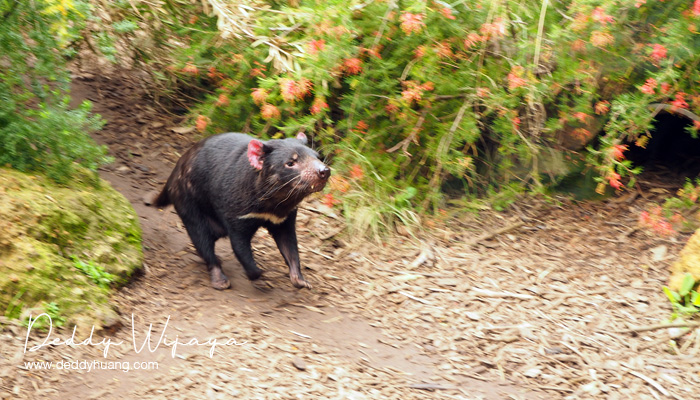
(322, 170)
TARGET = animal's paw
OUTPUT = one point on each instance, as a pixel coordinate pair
(299, 282)
(219, 281)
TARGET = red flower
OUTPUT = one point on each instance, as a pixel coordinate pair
(614, 180)
(658, 52)
(482, 91)
(639, 3)
(665, 88)
(649, 86)
(516, 122)
(315, 46)
(696, 7)
(679, 102)
(600, 16)
(329, 201)
(352, 66)
(618, 151)
(201, 123)
(268, 112)
(411, 22)
(318, 105)
(514, 77)
(447, 13)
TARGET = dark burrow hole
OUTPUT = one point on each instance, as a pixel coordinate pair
(671, 156)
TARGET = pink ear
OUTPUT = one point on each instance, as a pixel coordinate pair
(255, 151)
(301, 136)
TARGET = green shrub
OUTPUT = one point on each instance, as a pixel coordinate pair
(38, 130)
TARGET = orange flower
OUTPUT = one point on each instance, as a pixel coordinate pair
(190, 69)
(618, 151)
(259, 95)
(679, 102)
(222, 100)
(268, 112)
(599, 15)
(329, 201)
(493, 30)
(361, 127)
(601, 39)
(581, 116)
(649, 86)
(514, 77)
(356, 172)
(658, 52)
(614, 180)
(602, 107)
(472, 39)
(339, 183)
(318, 105)
(352, 66)
(201, 123)
(447, 13)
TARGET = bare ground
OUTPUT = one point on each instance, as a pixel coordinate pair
(544, 306)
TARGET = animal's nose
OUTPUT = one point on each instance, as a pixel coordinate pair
(324, 172)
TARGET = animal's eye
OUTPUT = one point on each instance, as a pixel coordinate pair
(291, 163)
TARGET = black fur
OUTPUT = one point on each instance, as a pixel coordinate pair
(217, 191)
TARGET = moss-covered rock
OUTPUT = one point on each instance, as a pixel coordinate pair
(56, 242)
(688, 261)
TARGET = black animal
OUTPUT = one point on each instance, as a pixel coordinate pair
(231, 185)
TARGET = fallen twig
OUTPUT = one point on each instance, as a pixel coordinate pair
(650, 381)
(491, 293)
(647, 328)
(497, 232)
(412, 297)
(430, 386)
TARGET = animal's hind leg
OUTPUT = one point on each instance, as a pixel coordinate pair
(204, 232)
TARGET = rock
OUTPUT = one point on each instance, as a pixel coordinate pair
(56, 233)
(688, 261)
(299, 363)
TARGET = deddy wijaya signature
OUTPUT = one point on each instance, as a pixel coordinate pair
(148, 342)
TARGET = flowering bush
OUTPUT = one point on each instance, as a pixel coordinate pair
(430, 98)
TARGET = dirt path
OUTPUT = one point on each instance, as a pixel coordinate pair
(533, 313)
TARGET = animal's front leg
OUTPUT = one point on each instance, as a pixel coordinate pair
(285, 236)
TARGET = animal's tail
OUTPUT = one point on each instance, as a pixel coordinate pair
(163, 199)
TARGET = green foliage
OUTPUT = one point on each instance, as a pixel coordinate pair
(686, 301)
(446, 98)
(42, 323)
(38, 130)
(95, 272)
(680, 213)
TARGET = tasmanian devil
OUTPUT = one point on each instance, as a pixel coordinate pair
(232, 184)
